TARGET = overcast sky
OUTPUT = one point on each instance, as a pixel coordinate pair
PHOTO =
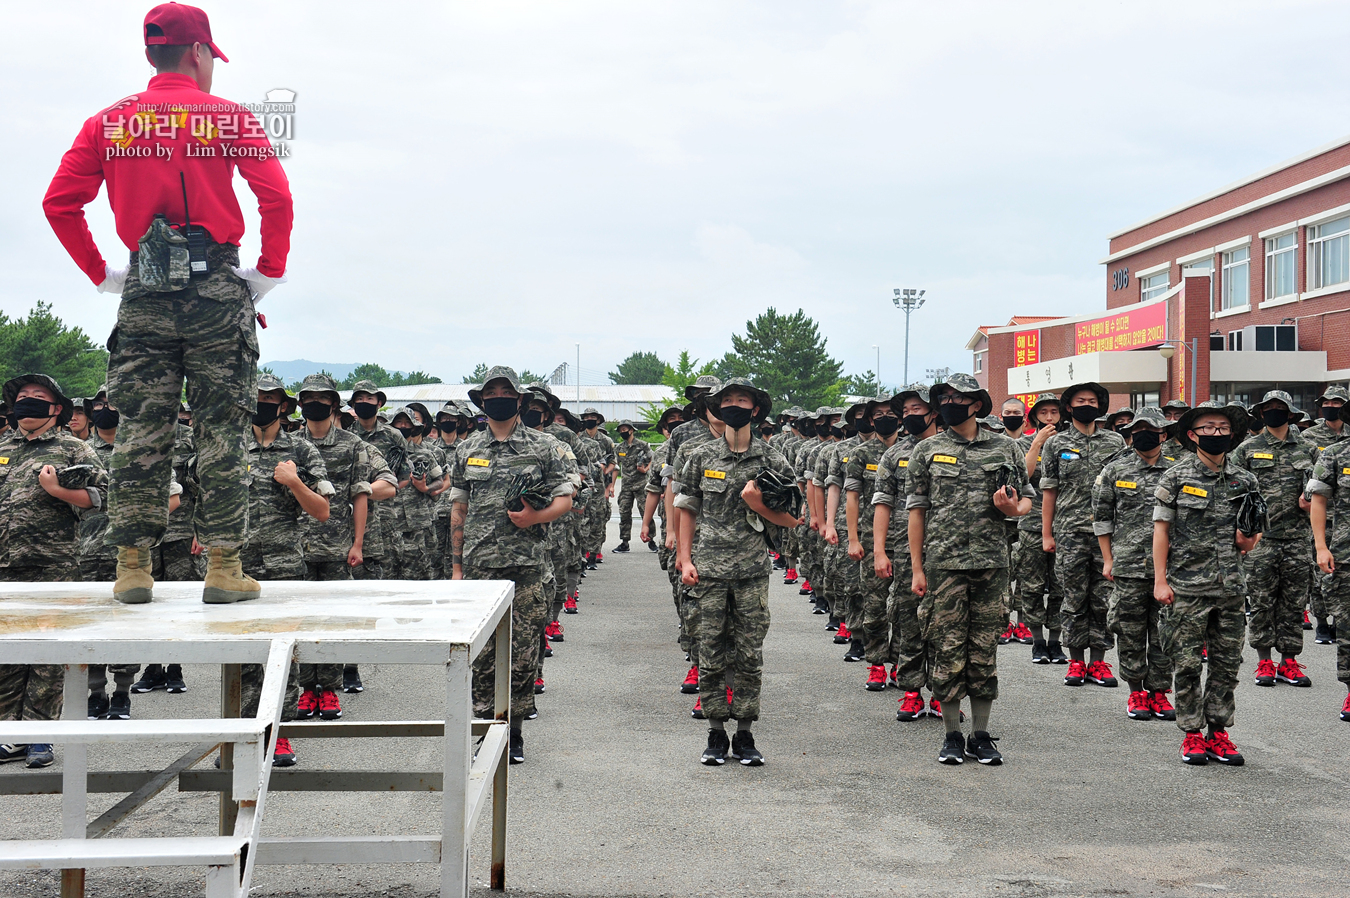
(497, 181)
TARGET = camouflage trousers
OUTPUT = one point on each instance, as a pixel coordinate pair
(417, 548)
(1078, 568)
(733, 619)
(34, 691)
(961, 618)
(875, 620)
(1195, 623)
(529, 617)
(175, 561)
(440, 565)
(1038, 594)
(902, 610)
(251, 675)
(845, 585)
(100, 568)
(324, 676)
(123, 676)
(1133, 616)
(1320, 596)
(369, 569)
(1279, 579)
(628, 497)
(392, 568)
(1338, 593)
(206, 335)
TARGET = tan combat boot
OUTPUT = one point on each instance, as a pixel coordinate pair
(134, 582)
(226, 581)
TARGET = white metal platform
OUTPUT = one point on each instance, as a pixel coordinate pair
(441, 622)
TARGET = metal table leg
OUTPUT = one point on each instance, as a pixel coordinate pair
(74, 773)
(501, 701)
(458, 757)
(231, 704)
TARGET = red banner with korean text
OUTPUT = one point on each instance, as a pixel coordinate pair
(1121, 331)
(1026, 351)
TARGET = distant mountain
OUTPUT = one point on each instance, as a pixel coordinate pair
(290, 372)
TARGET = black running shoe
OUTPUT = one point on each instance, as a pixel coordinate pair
(981, 748)
(516, 752)
(1056, 653)
(953, 749)
(622, 547)
(820, 608)
(1323, 635)
(743, 749)
(715, 754)
(832, 624)
(98, 705)
(652, 546)
(1040, 654)
(173, 680)
(153, 678)
(855, 651)
(351, 679)
(119, 707)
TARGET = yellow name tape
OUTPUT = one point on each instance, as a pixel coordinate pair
(1266, 455)
(477, 462)
(1126, 484)
(1194, 491)
(902, 463)
(716, 475)
(4, 459)
(945, 459)
(623, 455)
(871, 467)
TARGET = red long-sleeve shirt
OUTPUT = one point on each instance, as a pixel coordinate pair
(140, 145)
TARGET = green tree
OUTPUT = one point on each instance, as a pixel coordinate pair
(43, 344)
(785, 355)
(480, 371)
(639, 368)
(685, 372)
(864, 384)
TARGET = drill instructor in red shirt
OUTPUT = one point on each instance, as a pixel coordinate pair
(187, 312)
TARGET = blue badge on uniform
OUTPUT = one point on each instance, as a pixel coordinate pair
(1069, 455)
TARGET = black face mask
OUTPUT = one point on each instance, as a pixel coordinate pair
(1085, 414)
(446, 427)
(106, 418)
(953, 414)
(407, 430)
(885, 425)
(806, 429)
(735, 417)
(532, 417)
(267, 413)
(186, 422)
(590, 423)
(501, 408)
(462, 428)
(1217, 444)
(625, 435)
(30, 407)
(1275, 417)
(1332, 412)
(1014, 422)
(836, 431)
(864, 426)
(365, 410)
(480, 426)
(916, 424)
(315, 410)
(1146, 440)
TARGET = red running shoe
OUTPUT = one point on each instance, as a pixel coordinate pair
(1007, 635)
(806, 588)
(1022, 633)
(844, 632)
(284, 756)
(309, 703)
(570, 604)
(1291, 672)
(876, 678)
(728, 696)
(554, 631)
(1345, 708)
(911, 707)
(1099, 672)
(539, 686)
(1220, 748)
(1194, 750)
(1162, 708)
(1265, 673)
(790, 576)
(697, 713)
(1138, 706)
(935, 710)
(1307, 623)
(894, 678)
(329, 706)
(1076, 674)
(690, 684)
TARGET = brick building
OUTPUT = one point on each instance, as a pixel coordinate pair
(1247, 287)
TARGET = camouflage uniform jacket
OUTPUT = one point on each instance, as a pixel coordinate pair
(1070, 463)
(565, 436)
(1283, 468)
(726, 545)
(184, 465)
(657, 475)
(806, 460)
(955, 481)
(1201, 508)
(1031, 521)
(419, 509)
(1122, 508)
(1331, 478)
(94, 522)
(374, 546)
(682, 453)
(483, 471)
(860, 476)
(275, 519)
(689, 429)
(890, 490)
(346, 459)
(446, 457)
(630, 455)
(1172, 450)
(1322, 436)
(36, 529)
(834, 465)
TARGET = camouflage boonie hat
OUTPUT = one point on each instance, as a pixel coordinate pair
(966, 385)
(1111, 419)
(322, 384)
(762, 399)
(1040, 400)
(806, 415)
(913, 391)
(548, 395)
(87, 404)
(633, 424)
(1100, 392)
(787, 414)
(368, 386)
(859, 407)
(496, 372)
(1335, 392)
(664, 420)
(570, 421)
(826, 411)
(267, 383)
(591, 411)
(423, 411)
(705, 384)
(1237, 416)
(990, 422)
(12, 387)
(879, 401)
(1179, 404)
(1149, 415)
(453, 409)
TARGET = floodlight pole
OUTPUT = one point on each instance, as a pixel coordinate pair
(578, 373)
(910, 300)
(878, 371)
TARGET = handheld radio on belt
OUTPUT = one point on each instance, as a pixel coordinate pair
(196, 236)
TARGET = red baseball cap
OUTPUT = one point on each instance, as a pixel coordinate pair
(177, 24)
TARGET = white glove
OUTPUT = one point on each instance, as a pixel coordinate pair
(113, 279)
(258, 282)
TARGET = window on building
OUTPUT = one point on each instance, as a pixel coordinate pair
(1281, 259)
(1206, 267)
(979, 362)
(1153, 286)
(1236, 278)
(1329, 254)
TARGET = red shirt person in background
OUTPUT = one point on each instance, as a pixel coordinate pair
(168, 155)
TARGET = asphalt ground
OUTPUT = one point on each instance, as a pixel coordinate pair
(612, 800)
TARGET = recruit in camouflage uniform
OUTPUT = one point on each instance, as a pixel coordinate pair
(417, 505)
(1330, 489)
(600, 507)
(1039, 595)
(174, 554)
(435, 445)
(841, 571)
(959, 551)
(1202, 575)
(1327, 432)
(1122, 518)
(453, 423)
(634, 459)
(487, 544)
(393, 448)
(813, 556)
(1280, 568)
(1173, 409)
(39, 539)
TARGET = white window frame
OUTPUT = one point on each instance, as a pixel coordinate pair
(1229, 266)
(1272, 253)
(1148, 290)
(979, 361)
(1316, 252)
